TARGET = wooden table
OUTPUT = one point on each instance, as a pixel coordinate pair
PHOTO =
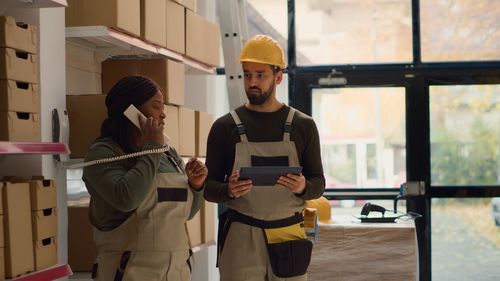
(365, 251)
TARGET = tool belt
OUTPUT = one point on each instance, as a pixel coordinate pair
(288, 248)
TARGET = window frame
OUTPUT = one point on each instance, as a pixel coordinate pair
(416, 77)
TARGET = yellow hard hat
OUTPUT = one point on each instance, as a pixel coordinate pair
(263, 49)
(323, 208)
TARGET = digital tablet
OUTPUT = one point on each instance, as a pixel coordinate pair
(267, 175)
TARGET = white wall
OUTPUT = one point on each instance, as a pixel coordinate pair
(53, 95)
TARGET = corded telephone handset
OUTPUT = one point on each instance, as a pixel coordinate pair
(133, 114)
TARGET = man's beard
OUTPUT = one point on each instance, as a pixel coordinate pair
(261, 97)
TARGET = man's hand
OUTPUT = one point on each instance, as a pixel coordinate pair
(237, 188)
(294, 183)
(196, 172)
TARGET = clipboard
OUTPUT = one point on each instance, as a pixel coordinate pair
(267, 175)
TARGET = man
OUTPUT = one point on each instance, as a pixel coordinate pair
(261, 235)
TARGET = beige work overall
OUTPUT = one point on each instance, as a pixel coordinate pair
(245, 256)
(152, 244)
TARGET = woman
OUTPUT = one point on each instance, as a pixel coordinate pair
(139, 206)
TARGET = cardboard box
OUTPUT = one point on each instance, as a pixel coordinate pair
(212, 43)
(207, 213)
(176, 27)
(119, 14)
(202, 39)
(169, 75)
(187, 145)
(44, 223)
(85, 114)
(19, 66)
(43, 194)
(83, 71)
(189, 4)
(19, 36)
(2, 241)
(194, 230)
(19, 96)
(19, 257)
(19, 126)
(203, 123)
(172, 125)
(81, 247)
(154, 21)
(2, 263)
(82, 82)
(195, 36)
(45, 252)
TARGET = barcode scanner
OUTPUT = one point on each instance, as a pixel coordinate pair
(369, 207)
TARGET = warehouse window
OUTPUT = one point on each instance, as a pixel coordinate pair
(465, 240)
(353, 32)
(268, 17)
(362, 132)
(465, 131)
(460, 30)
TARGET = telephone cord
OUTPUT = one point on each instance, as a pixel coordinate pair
(119, 158)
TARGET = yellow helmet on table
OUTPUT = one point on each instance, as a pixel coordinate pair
(263, 49)
(323, 207)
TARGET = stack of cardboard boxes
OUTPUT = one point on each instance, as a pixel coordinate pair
(172, 25)
(44, 222)
(19, 97)
(29, 226)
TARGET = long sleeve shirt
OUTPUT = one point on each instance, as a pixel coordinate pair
(118, 188)
(262, 127)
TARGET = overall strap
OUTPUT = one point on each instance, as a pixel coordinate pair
(288, 124)
(239, 126)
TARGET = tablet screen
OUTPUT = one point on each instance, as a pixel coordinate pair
(267, 175)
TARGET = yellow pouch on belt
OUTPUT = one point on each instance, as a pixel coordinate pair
(287, 233)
